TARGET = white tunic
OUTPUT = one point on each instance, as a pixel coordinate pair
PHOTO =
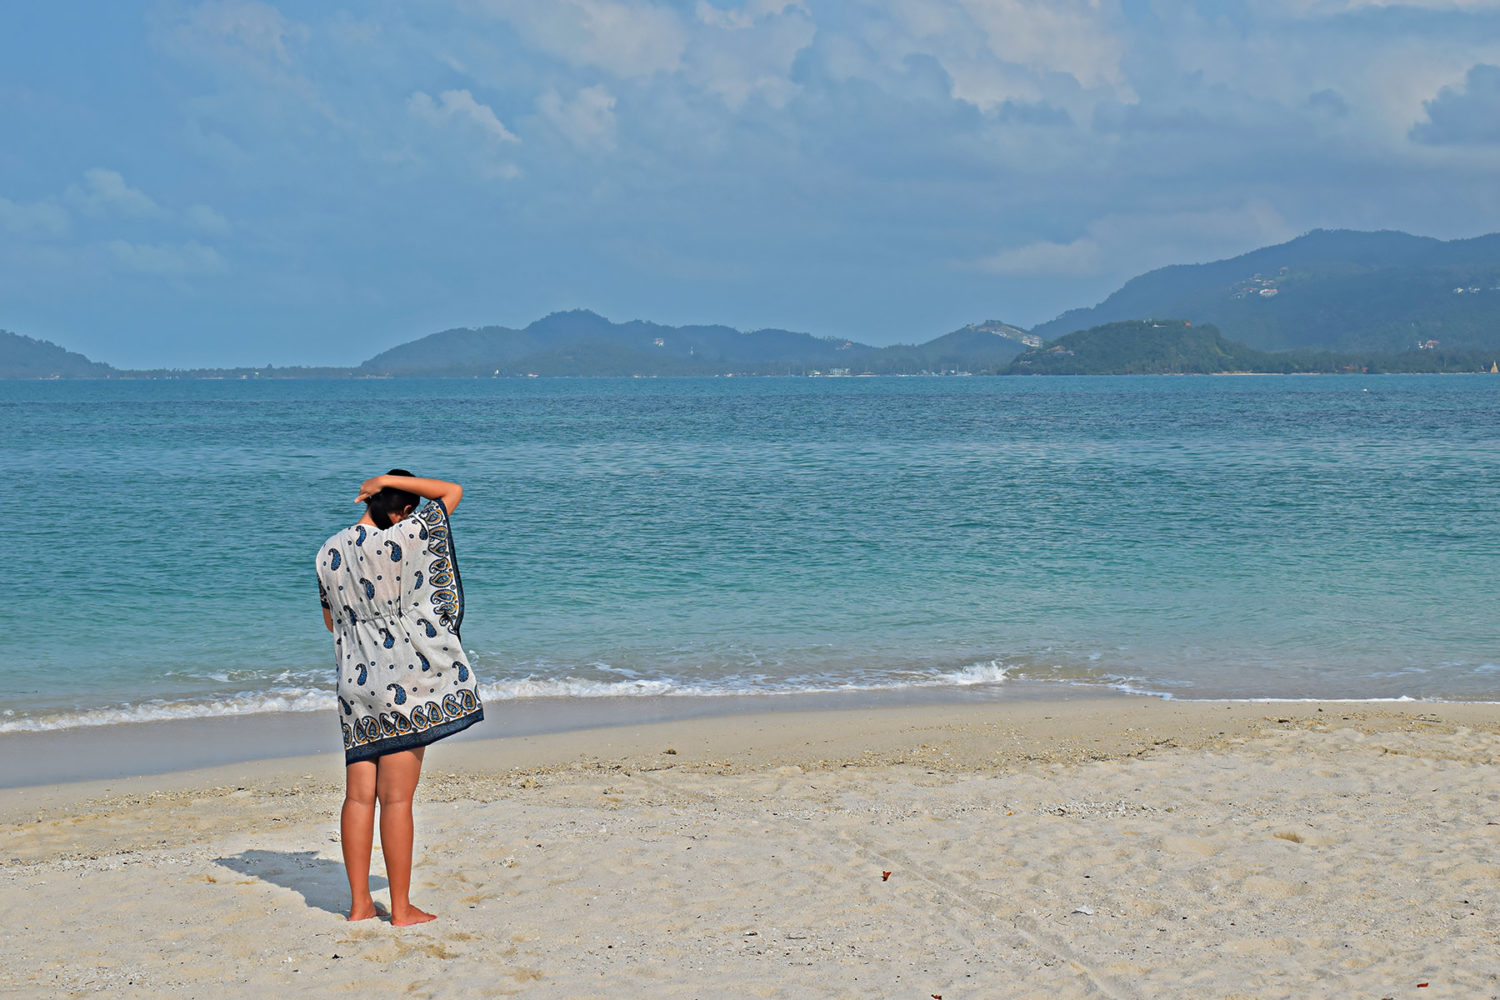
(397, 603)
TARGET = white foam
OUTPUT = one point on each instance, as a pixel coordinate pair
(303, 700)
(308, 699)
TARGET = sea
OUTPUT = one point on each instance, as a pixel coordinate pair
(1220, 537)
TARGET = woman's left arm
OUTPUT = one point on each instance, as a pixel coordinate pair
(433, 489)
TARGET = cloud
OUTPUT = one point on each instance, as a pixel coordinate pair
(1464, 116)
(1319, 8)
(1024, 51)
(745, 16)
(628, 38)
(104, 192)
(1081, 256)
(43, 219)
(1329, 102)
(588, 120)
(459, 104)
(247, 32)
(205, 220)
(1140, 241)
(166, 260)
(749, 52)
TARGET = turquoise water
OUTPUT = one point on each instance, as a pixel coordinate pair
(1241, 537)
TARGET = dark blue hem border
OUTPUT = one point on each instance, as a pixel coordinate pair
(409, 741)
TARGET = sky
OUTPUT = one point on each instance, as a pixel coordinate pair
(243, 182)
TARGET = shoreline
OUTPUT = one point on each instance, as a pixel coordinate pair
(156, 747)
(960, 738)
(139, 749)
(1118, 847)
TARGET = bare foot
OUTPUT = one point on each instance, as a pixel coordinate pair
(410, 915)
(367, 910)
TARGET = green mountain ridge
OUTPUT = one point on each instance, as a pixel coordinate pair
(580, 342)
(1335, 290)
(1178, 347)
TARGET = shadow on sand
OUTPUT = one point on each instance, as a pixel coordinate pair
(320, 881)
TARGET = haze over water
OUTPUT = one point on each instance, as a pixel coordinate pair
(1250, 537)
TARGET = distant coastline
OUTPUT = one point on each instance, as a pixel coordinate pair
(1328, 301)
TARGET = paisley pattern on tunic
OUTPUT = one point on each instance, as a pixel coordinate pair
(397, 603)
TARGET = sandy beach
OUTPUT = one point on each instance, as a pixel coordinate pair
(1090, 848)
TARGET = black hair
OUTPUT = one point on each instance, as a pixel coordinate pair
(389, 501)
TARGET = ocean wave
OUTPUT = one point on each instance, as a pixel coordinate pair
(303, 700)
(991, 673)
(517, 689)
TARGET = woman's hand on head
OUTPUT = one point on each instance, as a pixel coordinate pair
(370, 487)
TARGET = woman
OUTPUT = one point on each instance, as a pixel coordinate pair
(393, 600)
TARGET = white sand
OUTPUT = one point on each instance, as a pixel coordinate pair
(1122, 848)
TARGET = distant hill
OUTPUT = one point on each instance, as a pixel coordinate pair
(1330, 289)
(1177, 347)
(580, 342)
(27, 357)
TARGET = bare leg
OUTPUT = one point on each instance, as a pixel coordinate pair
(395, 783)
(357, 834)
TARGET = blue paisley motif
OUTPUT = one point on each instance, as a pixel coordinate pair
(360, 540)
(463, 671)
(369, 587)
(334, 559)
(418, 584)
(395, 550)
(364, 674)
(400, 693)
(427, 625)
(348, 708)
(389, 639)
(423, 660)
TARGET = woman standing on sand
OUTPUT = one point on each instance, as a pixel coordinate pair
(393, 601)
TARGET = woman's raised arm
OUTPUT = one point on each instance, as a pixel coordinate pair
(433, 489)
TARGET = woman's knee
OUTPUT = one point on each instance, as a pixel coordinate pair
(361, 784)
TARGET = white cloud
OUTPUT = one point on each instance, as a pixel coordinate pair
(104, 192)
(629, 38)
(1010, 50)
(164, 259)
(1081, 256)
(587, 120)
(1317, 8)
(1141, 241)
(459, 104)
(750, 51)
(205, 220)
(745, 16)
(244, 30)
(43, 219)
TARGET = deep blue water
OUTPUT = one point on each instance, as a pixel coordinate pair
(1246, 537)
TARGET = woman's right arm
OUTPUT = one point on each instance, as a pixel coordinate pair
(433, 489)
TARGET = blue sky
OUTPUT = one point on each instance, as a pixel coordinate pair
(242, 182)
